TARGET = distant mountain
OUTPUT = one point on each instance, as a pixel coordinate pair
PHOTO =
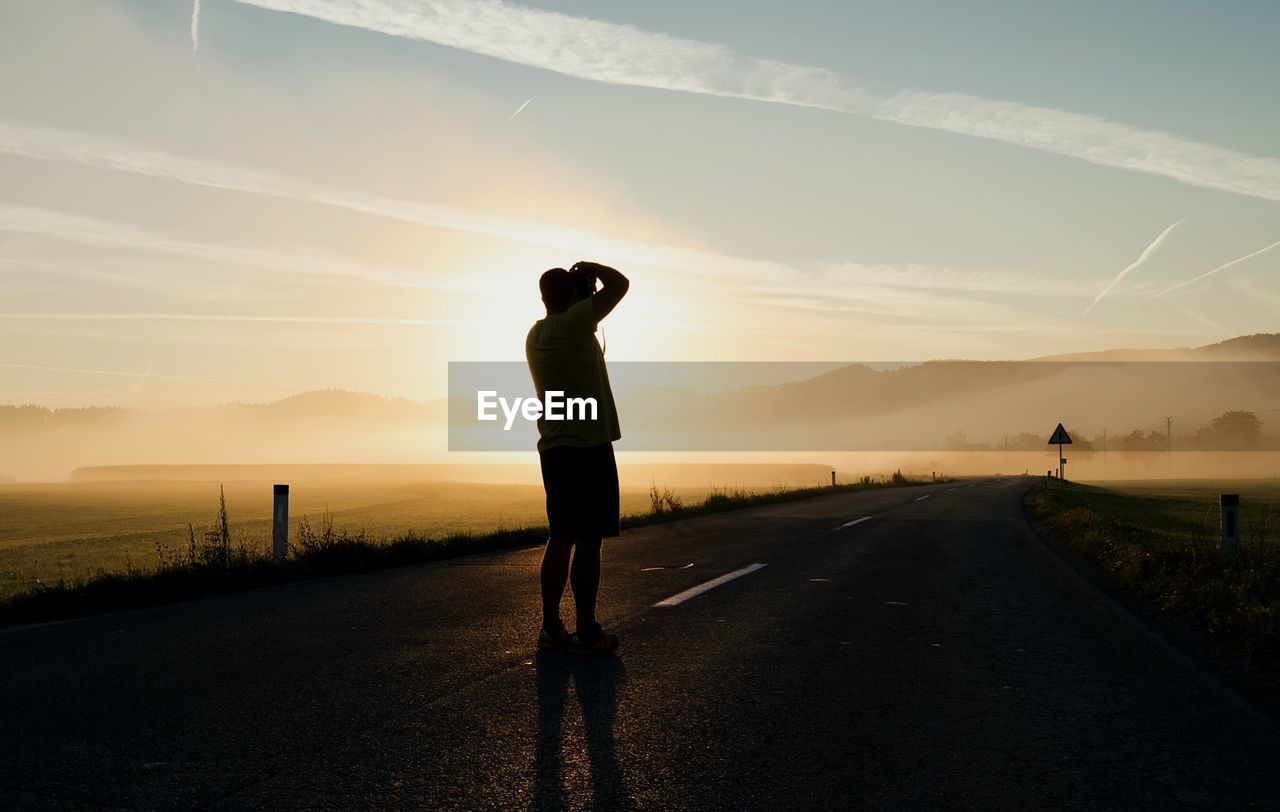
(1259, 347)
(324, 404)
(918, 407)
(341, 404)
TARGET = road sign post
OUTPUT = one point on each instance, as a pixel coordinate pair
(280, 523)
(1060, 438)
(1230, 503)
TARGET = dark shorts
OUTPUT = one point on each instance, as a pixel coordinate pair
(582, 491)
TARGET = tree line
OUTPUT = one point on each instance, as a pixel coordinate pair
(1230, 431)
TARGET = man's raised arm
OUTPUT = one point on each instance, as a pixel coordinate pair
(613, 286)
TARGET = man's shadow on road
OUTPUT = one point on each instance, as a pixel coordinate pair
(596, 680)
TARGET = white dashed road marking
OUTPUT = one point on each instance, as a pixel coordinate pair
(856, 521)
(922, 498)
(676, 600)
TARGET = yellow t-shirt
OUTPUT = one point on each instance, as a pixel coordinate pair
(564, 356)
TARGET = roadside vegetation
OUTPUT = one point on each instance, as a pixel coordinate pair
(215, 562)
(666, 506)
(1163, 543)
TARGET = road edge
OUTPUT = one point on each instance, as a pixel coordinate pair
(1215, 667)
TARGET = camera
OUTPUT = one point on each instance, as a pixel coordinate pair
(584, 283)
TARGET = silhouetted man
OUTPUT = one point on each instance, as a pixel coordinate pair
(578, 469)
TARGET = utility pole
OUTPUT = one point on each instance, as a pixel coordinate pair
(1168, 433)
(1104, 441)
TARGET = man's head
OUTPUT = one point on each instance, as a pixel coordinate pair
(559, 290)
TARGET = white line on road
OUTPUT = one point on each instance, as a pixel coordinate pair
(922, 498)
(856, 521)
(676, 600)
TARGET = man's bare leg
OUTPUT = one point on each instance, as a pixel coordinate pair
(585, 577)
(554, 575)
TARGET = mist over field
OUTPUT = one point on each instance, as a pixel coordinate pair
(1215, 407)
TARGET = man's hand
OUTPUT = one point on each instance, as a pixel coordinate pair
(613, 286)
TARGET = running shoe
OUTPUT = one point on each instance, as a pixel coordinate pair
(593, 641)
(553, 639)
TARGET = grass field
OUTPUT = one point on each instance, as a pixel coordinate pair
(71, 531)
(1191, 506)
(1161, 540)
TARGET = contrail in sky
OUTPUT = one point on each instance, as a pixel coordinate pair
(1200, 317)
(1256, 293)
(520, 109)
(1151, 249)
(1206, 274)
(137, 387)
(601, 51)
(195, 27)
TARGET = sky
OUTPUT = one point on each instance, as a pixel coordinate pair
(243, 199)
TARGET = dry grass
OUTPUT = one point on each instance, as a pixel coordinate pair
(1162, 542)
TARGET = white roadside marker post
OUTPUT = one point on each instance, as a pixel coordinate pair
(1230, 503)
(280, 523)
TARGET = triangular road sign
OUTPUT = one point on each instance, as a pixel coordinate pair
(1060, 436)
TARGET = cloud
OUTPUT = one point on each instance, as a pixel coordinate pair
(282, 385)
(625, 55)
(75, 228)
(909, 294)
(1147, 252)
(976, 280)
(1222, 267)
(47, 143)
(234, 317)
(130, 374)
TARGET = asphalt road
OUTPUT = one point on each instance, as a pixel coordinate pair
(937, 654)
